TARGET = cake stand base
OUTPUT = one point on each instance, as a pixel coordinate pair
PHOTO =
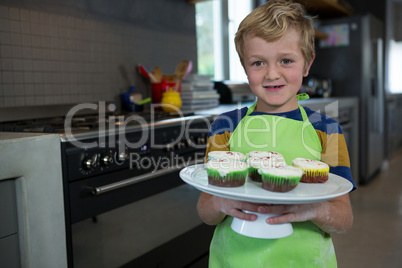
(260, 228)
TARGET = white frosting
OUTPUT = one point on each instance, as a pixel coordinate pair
(287, 171)
(216, 155)
(309, 164)
(264, 154)
(267, 162)
(225, 166)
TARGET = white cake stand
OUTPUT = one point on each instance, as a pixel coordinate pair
(251, 191)
(260, 228)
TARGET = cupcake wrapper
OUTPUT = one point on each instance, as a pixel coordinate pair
(315, 176)
(232, 179)
(279, 184)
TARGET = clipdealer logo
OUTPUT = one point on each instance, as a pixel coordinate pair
(160, 162)
(112, 133)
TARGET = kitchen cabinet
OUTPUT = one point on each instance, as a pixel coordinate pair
(195, 1)
(9, 248)
(31, 172)
(393, 124)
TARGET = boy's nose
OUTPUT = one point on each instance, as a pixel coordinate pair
(272, 73)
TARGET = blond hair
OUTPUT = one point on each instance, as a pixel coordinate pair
(272, 20)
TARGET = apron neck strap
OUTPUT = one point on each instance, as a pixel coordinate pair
(251, 109)
(303, 96)
(303, 113)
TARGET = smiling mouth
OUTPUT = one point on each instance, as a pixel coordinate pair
(273, 87)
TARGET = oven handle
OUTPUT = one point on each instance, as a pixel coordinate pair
(124, 183)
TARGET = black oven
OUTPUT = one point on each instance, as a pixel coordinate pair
(125, 203)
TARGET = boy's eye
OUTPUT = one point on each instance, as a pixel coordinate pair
(286, 61)
(258, 63)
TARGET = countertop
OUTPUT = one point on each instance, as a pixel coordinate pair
(14, 136)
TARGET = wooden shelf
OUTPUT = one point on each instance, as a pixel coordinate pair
(325, 8)
(320, 35)
(195, 1)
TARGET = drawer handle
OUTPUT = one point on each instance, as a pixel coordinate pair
(127, 182)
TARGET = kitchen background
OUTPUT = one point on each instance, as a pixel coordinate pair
(66, 52)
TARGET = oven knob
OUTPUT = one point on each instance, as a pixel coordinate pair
(169, 147)
(200, 140)
(181, 145)
(90, 163)
(107, 160)
(122, 156)
(119, 158)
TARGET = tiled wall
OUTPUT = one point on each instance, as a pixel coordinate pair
(48, 58)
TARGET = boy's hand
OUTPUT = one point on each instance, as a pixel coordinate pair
(213, 209)
(333, 216)
(289, 213)
(235, 208)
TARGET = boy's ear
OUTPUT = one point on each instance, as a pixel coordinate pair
(308, 68)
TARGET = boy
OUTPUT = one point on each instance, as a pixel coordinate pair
(275, 44)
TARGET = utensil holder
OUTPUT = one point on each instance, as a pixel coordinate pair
(159, 88)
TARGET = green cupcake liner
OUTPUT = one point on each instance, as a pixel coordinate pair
(280, 180)
(279, 184)
(235, 175)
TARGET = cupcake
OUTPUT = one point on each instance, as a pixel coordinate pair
(226, 173)
(314, 171)
(280, 179)
(217, 155)
(255, 163)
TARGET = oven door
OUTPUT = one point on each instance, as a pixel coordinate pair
(159, 229)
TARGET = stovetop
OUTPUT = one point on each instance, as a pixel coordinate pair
(90, 123)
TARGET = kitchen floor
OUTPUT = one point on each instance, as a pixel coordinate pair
(375, 239)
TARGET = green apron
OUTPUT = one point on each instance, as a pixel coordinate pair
(308, 246)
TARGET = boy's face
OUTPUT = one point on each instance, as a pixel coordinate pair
(275, 71)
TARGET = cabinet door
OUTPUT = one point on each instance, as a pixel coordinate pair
(9, 252)
(8, 208)
(9, 249)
